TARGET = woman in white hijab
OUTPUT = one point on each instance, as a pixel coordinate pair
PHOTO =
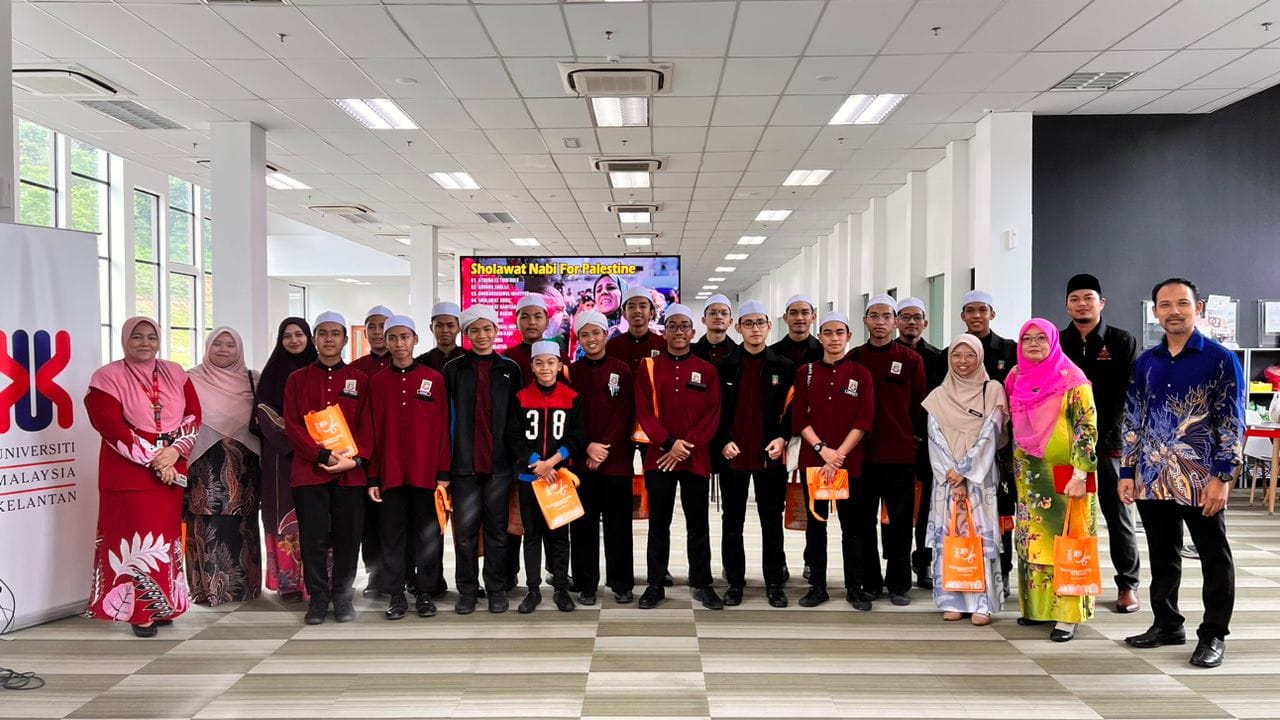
(967, 416)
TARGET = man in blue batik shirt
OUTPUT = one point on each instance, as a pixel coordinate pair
(1183, 439)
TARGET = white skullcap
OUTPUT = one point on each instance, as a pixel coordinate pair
(478, 312)
(911, 302)
(591, 317)
(330, 317)
(716, 299)
(801, 297)
(752, 307)
(883, 299)
(977, 296)
(531, 300)
(382, 310)
(544, 347)
(396, 321)
(677, 309)
(637, 291)
(833, 316)
(445, 308)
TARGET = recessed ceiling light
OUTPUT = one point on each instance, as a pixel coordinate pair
(406, 81)
(351, 281)
(637, 240)
(752, 239)
(377, 114)
(524, 242)
(727, 268)
(806, 177)
(773, 215)
(280, 181)
(629, 179)
(635, 217)
(571, 142)
(734, 256)
(866, 109)
(710, 287)
(620, 111)
(716, 279)
(455, 180)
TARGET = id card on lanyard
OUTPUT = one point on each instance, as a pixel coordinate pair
(153, 394)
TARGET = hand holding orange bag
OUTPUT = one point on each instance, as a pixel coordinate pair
(328, 427)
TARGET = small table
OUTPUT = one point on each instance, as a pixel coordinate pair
(1272, 432)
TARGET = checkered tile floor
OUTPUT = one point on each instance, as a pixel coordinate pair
(258, 660)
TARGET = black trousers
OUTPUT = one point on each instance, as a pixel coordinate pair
(606, 499)
(329, 516)
(481, 501)
(693, 489)
(815, 540)
(1162, 520)
(408, 519)
(371, 544)
(922, 557)
(1121, 530)
(771, 499)
(537, 536)
(895, 486)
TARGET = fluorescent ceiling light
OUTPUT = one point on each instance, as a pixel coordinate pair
(629, 179)
(729, 268)
(377, 114)
(752, 239)
(806, 177)
(716, 279)
(636, 217)
(710, 287)
(524, 242)
(351, 281)
(866, 109)
(620, 111)
(773, 215)
(638, 240)
(455, 180)
(403, 241)
(280, 181)
(735, 256)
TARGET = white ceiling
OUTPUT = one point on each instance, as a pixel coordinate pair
(754, 83)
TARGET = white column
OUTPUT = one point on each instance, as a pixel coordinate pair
(823, 258)
(851, 262)
(959, 262)
(917, 283)
(8, 163)
(240, 235)
(1000, 154)
(424, 242)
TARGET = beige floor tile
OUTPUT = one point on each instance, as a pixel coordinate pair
(143, 696)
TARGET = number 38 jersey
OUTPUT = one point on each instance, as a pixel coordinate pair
(552, 422)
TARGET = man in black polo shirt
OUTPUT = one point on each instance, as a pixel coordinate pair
(1106, 355)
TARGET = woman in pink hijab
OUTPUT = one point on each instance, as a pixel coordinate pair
(224, 556)
(148, 415)
(1055, 429)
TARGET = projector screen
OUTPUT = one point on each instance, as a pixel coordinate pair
(570, 285)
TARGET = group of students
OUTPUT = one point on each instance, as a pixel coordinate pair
(887, 415)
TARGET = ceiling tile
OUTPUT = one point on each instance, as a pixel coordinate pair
(898, 73)
(787, 138)
(532, 163)
(1039, 71)
(474, 78)
(362, 31)
(268, 79)
(537, 77)
(681, 111)
(956, 22)
(554, 138)
(897, 136)
(774, 27)
(130, 79)
(856, 27)
(1189, 21)
(827, 75)
(806, 109)
(774, 160)
(435, 114)
(928, 108)
(724, 139)
(691, 29)
(637, 141)
(943, 133)
(1059, 103)
(462, 141)
(1022, 25)
(1179, 100)
(1118, 102)
(756, 76)
(678, 139)
(517, 141)
(1103, 23)
(983, 103)
(334, 77)
(1182, 68)
(500, 114)
(559, 112)
(1248, 71)
(260, 112)
(263, 25)
(526, 30)
(970, 72)
(628, 22)
(696, 76)
(198, 29)
(402, 78)
(743, 111)
(117, 30)
(1126, 60)
(50, 37)
(443, 30)
(196, 78)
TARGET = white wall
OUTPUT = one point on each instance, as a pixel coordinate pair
(353, 301)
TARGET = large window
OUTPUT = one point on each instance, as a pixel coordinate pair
(146, 253)
(37, 175)
(89, 211)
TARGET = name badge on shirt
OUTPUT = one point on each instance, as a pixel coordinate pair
(999, 365)
(695, 377)
(852, 390)
(695, 382)
(1105, 354)
(895, 368)
(424, 390)
(615, 384)
(653, 353)
(774, 381)
(349, 389)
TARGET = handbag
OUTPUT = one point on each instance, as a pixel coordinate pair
(795, 517)
(1075, 555)
(328, 427)
(639, 498)
(515, 523)
(444, 507)
(637, 433)
(559, 501)
(964, 567)
(820, 488)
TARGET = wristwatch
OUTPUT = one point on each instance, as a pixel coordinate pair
(818, 446)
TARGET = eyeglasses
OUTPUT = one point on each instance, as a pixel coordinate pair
(911, 318)
(680, 328)
(753, 324)
(880, 317)
(1035, 340)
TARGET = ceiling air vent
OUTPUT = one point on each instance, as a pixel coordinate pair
(132, 114)
(61, 82)
(615, 79)
(1093, 80)
(358, 214)
(633, 208)
(497, 218)
(627, 164)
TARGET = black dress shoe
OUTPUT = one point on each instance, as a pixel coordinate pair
(900, 599)
(466, 604)
(162, 623)
(398, 607)
(777, 598)
(370, 591)
(626, 597)
(1209, 653)
(924, 581)
(1156, 637)
(564, 603)
(424, 606)
(529, 603)
(343, 610)
(1059, 635)
(587, 597)
(498, 602)
(146, 631)
(816, 596)
(651, 597)
(1028, 622)
(733, 596)
(861, 601)
(316, 612)
(668, 581)
(708, 597)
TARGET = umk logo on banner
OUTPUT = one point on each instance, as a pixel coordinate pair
(50, 344)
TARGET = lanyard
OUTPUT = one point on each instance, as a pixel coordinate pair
(152, 393)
